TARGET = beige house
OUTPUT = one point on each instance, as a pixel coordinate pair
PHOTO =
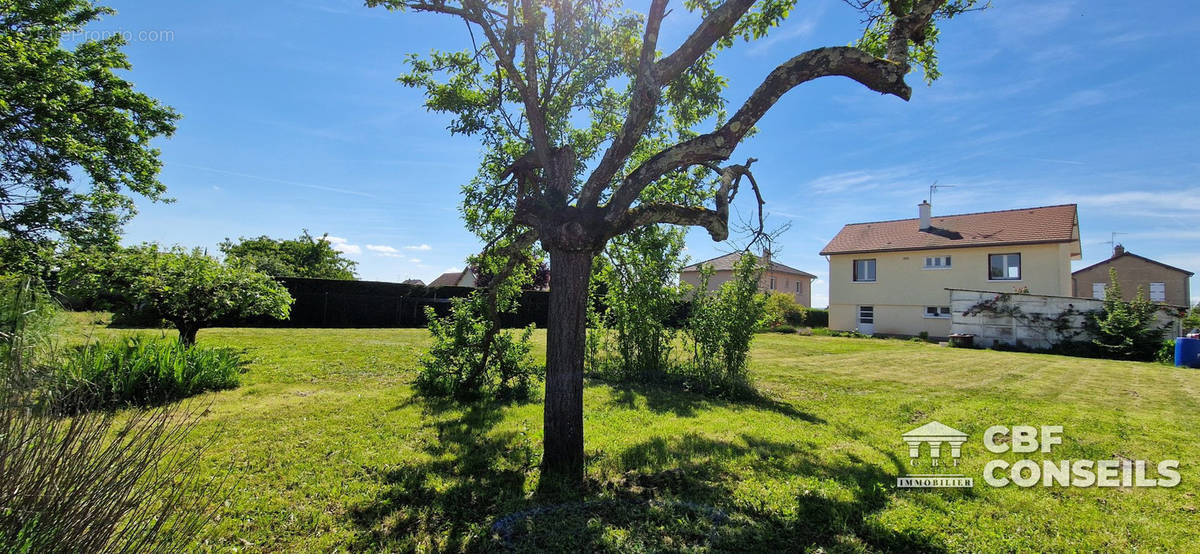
(1159, 282)
(776, 278)
(890, 277)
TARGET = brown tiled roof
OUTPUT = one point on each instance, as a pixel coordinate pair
(448, 279)
(726, 263)
(1047, 224)
(1143, 258)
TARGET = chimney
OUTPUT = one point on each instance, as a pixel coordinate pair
(766, 258)
(1118, 250)
(926, 214)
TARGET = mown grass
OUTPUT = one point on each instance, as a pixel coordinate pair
(330, 451)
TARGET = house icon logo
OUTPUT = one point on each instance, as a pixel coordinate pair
(940, 439)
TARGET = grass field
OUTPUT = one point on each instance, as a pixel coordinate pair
(329, 450)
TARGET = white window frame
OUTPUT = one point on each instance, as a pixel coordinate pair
(1099, 288)
(937, 262)
(772, 285)
(799, 287)
(1020, 267)
(1162, 292)
(874, 271)
(943, 312)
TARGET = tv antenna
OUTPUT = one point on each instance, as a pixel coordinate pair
(1112, 240)
(934, 187)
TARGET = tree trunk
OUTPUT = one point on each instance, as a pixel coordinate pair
(566, 340)
(187, 333)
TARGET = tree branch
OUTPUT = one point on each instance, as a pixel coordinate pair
(646, 92)
(716, 25)
(880, 75)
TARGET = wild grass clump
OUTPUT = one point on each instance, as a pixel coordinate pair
(77, 479)
(139, 371)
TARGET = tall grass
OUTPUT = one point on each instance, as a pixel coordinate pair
(142, 371)
(89, 480)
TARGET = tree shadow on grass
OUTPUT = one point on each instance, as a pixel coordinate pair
(660, 398)
(680, 494)
(466, 474)
(467, 491)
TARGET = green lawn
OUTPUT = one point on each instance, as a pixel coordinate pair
(329, 450)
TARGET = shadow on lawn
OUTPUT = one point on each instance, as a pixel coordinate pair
(667, 399)
(678, 492)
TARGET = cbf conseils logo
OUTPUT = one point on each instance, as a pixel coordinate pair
(944, 447)
(939, 439)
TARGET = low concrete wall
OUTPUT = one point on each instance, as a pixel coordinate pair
(990, 329)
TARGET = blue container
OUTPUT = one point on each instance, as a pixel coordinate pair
(1187, 352)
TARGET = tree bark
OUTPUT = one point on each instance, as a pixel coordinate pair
(187, 333)
(566, 341)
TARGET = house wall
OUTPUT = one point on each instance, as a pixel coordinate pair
(903, 288)
(784, 282)
(1133, 273)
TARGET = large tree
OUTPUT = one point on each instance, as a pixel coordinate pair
(590, 129)
(303, 256)
(66, 115)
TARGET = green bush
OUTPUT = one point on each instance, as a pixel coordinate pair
(472, 358)
(783, 329)
(141, 372)
(1127, 330)
(720, 329)
(1166, 353)
(637, 273)
(816, 318)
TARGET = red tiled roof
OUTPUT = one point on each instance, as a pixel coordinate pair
(1047, 224)
(726, 263)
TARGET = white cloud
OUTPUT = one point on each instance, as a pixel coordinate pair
(382, 249)
(421, 247)
(414, 260)
(341, 245)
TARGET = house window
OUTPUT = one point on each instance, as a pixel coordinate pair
(937, 311)
(772, 283)
(937, 262)
(864, 271)
(1158, 292)
(1004, 267)
(798, 287)
(1098, 291)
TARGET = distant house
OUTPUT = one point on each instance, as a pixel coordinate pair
(776, 278)
(417, 282)
(462, 278)
(890, 277)
(1159, 282)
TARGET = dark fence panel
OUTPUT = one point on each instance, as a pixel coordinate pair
(336, 303)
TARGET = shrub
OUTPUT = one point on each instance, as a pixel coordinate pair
(140, 371)
(1127, 330)
(781, 309)
(721, 327)
(1166, 353)
(472, 358)
(641, 298)
(783, 329)
(816, 318)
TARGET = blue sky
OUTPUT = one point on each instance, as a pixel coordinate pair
(292, 119)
